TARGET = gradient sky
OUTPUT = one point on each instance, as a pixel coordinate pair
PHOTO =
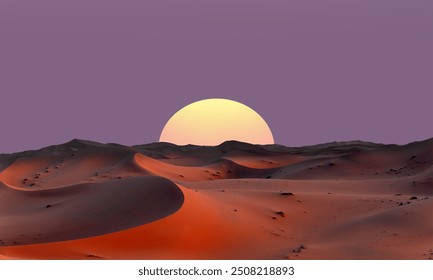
(116, 71)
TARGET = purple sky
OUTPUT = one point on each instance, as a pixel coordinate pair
(115, 71)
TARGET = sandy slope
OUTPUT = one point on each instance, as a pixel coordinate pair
(85, 200)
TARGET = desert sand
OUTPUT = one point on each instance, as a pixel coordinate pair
(340, 200)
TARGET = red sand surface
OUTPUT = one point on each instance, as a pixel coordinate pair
(348, 200)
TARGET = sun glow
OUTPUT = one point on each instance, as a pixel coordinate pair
(212, 121)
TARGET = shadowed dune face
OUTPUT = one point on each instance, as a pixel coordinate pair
(86, 200)
(84, 210)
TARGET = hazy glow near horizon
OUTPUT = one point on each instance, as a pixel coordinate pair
(210, 122)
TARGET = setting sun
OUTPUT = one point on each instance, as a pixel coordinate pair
(210, 122)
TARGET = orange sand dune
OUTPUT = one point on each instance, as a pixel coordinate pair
(197, 230)
(349, 200)
(215, 170)
(77, 211)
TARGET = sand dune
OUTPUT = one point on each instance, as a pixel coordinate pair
(341, 200)
(83, 210)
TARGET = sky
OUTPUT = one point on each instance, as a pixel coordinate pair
(115, 71)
